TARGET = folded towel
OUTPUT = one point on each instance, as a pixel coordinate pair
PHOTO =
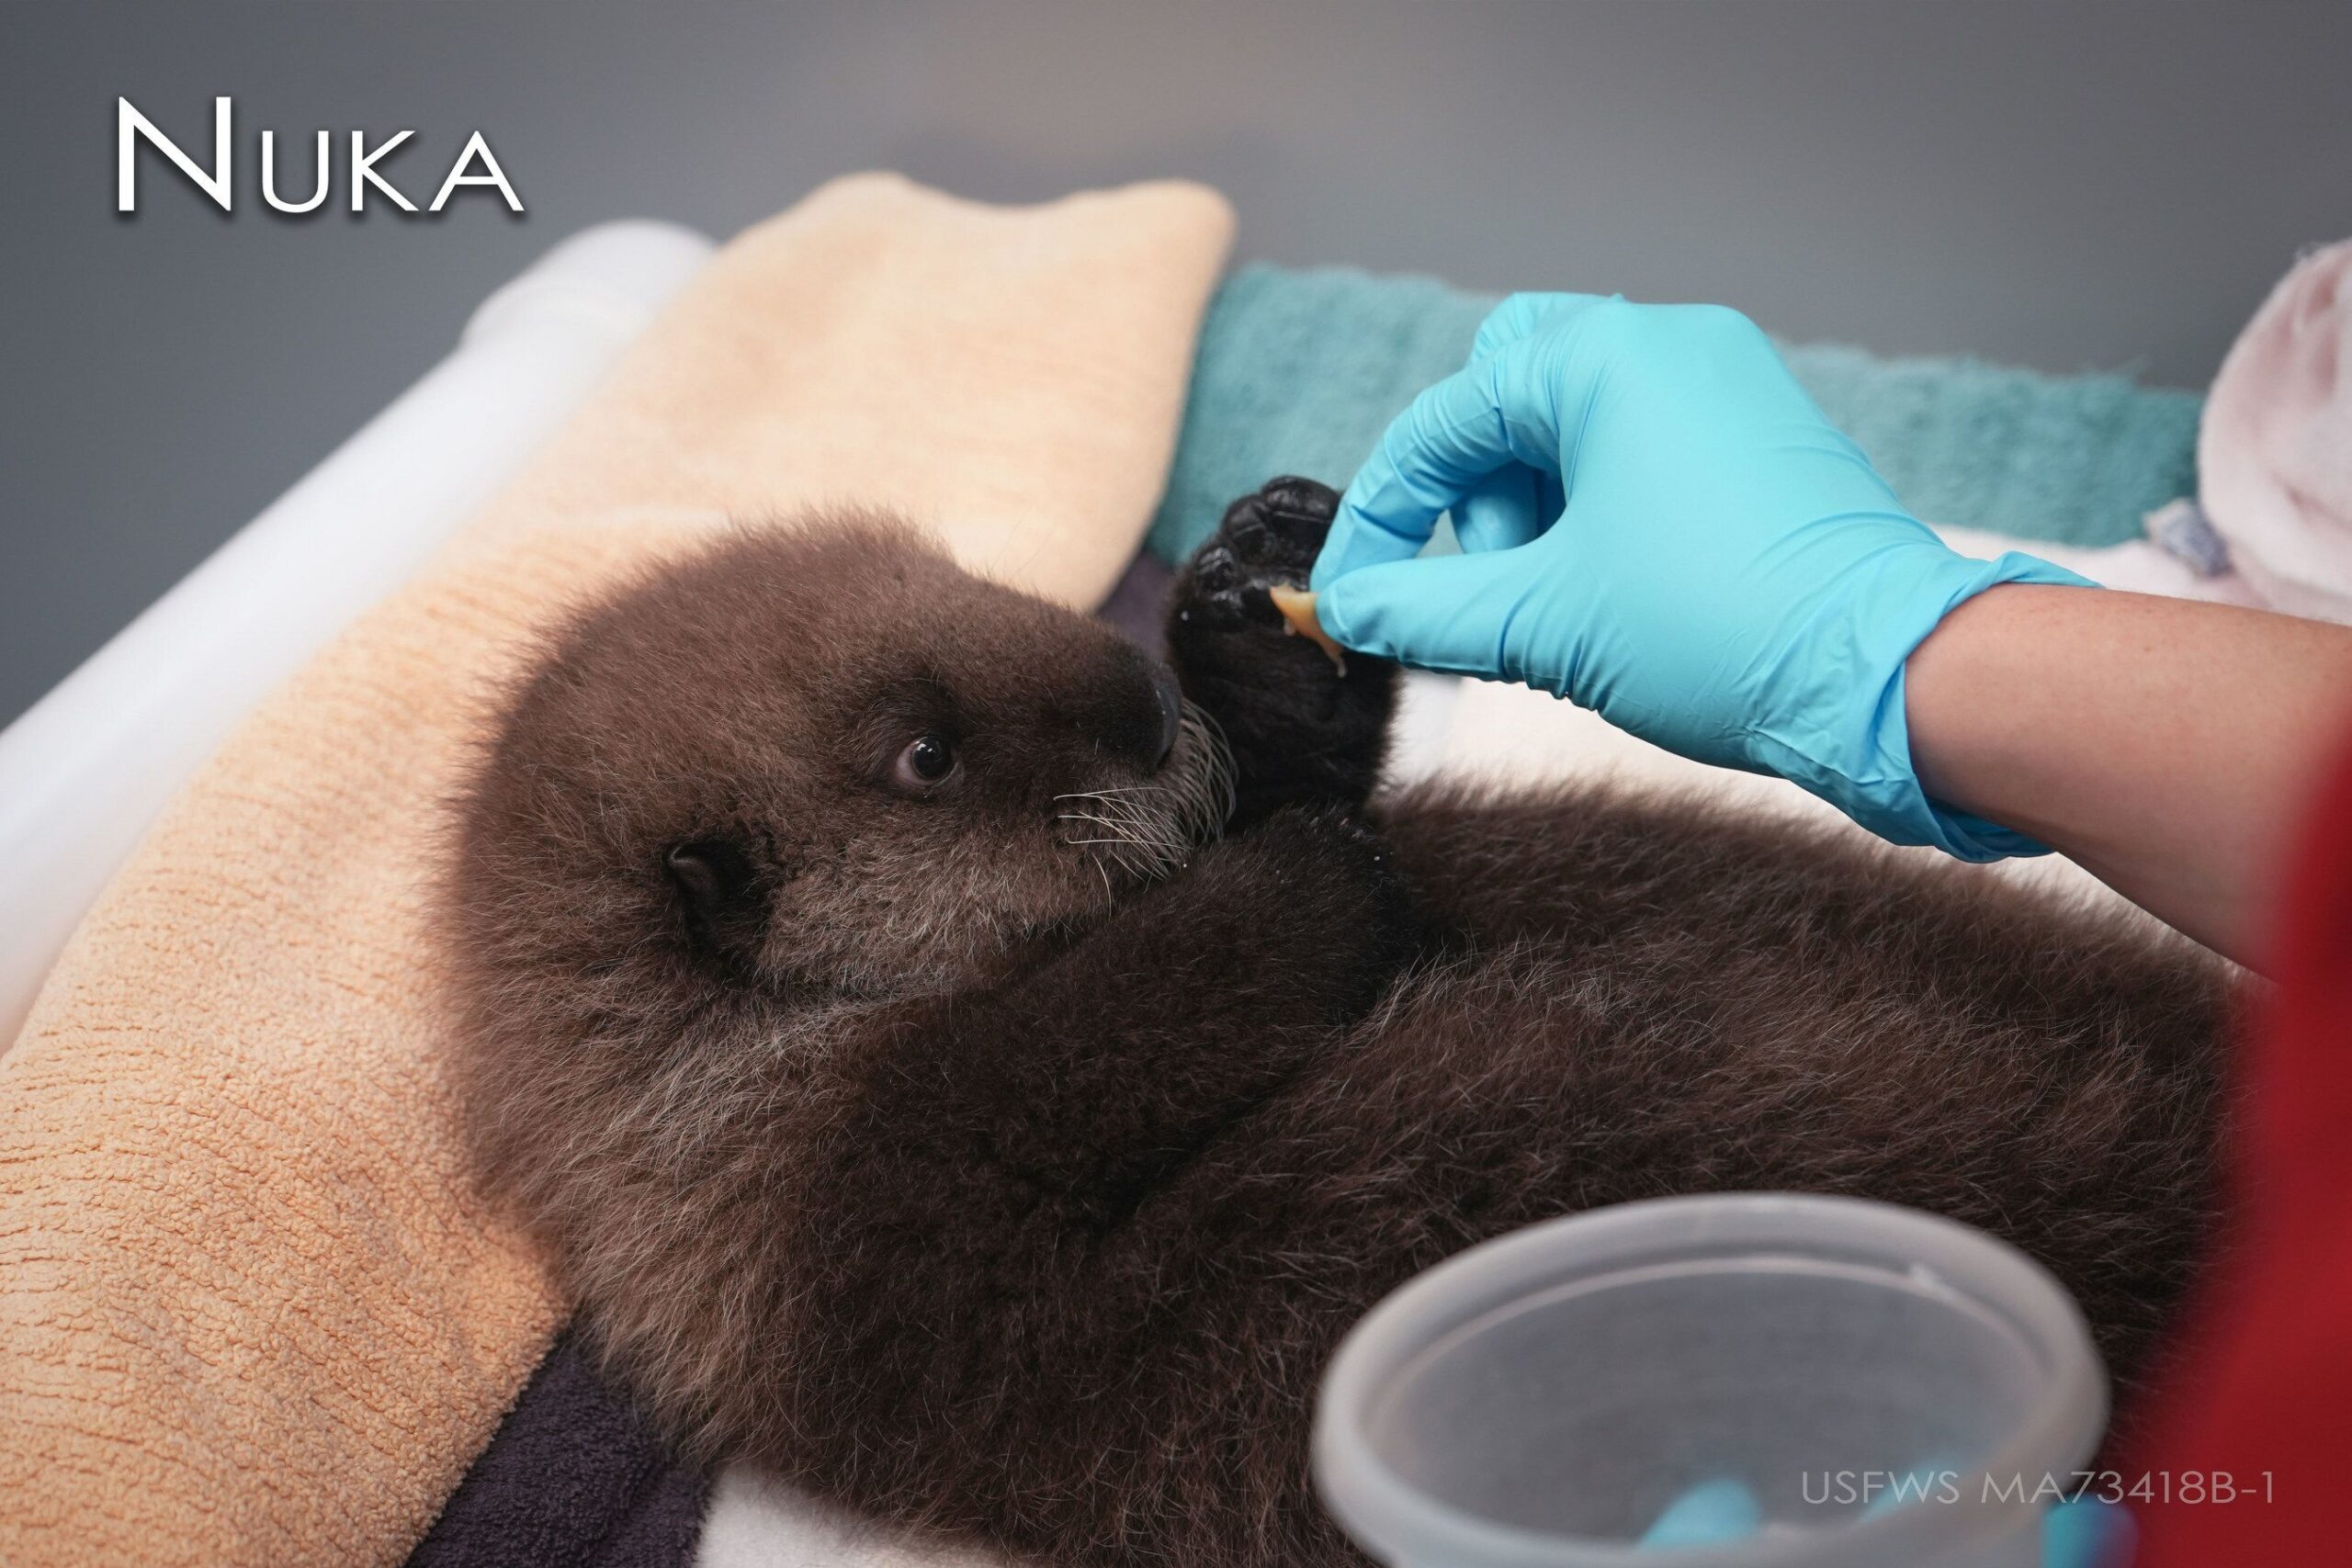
(249, 1309)
(575, 1476)
(2276, 446)
(1299, 372)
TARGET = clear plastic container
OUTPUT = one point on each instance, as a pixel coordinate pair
(1881, 1387)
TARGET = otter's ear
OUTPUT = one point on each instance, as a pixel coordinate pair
(713, 876)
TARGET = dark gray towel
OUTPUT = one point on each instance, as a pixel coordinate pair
(1139, 600)
(573, 1477)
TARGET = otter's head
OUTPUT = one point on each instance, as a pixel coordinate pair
(824, 758)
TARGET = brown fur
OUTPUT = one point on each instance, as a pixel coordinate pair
(993, 1178)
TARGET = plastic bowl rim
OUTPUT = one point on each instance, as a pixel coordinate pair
(1376, 1505)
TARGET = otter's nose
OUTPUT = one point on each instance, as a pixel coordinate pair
(1171, 698)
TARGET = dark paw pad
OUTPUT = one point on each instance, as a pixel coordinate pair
(1268, 539)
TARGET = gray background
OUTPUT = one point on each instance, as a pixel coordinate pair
(2059, 184)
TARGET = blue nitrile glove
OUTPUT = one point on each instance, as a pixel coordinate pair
(2083, 1532)
(1658, 523)
(1713, 1512)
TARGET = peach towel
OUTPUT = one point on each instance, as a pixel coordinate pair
(249, 1312)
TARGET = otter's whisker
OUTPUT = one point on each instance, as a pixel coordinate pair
(1150, 829)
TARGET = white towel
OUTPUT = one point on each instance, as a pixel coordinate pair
(2274, 453)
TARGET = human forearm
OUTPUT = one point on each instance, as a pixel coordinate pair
(2164, 744)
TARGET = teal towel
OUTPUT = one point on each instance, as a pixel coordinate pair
(1298, 371)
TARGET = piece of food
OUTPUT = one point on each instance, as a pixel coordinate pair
(1297, 605)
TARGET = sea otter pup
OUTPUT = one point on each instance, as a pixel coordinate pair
(979, 1073)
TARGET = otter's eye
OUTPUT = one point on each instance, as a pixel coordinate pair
(925, 763)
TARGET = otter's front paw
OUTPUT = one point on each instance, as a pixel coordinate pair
(1302, 732)
(1268, 539)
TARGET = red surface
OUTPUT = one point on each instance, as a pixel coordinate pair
(2265, 1396)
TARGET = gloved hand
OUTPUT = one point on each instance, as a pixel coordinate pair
(1658, 523)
